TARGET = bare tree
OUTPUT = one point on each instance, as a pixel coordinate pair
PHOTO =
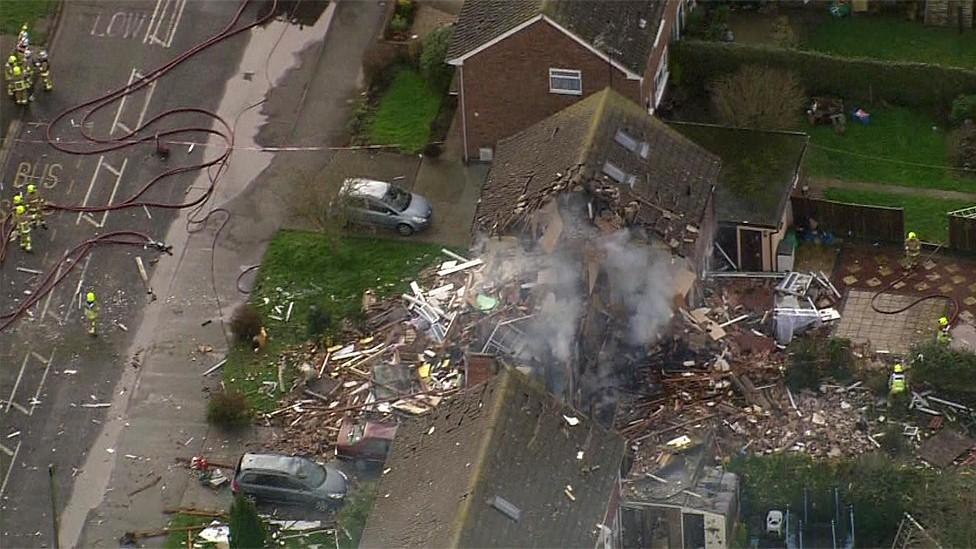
(314, 201)
(759, 97)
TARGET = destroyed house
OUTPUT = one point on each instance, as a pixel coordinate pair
(682, 503)
(519, 61)
(760, 170)
(632, 169)
(503, 464)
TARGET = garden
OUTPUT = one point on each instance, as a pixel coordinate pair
(406, 105)
(905, 125)
(309, 288)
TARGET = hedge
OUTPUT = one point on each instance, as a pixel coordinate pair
(908, 84)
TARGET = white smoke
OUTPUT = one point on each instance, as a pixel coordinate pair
(641, 283)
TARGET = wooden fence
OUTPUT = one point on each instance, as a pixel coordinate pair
(858, 221)
(962, 230)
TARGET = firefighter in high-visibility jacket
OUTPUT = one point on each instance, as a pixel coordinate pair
(43, 68)
(913, 249)
(91, 313)
(20, 86)
(8, 74)
(897, 383)
(23, 228)
(943, 336)
(35, 207)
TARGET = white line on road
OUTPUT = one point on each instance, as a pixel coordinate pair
(152, 20)
(13, 392)
(6, 450)
(47, 302)
(77, 293)
(40, 386)
(13, 461)
(91, 185)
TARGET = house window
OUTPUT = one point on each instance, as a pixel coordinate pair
(486, 154)
(618, 175)
(679, 23)
(565, 81)
(661, 78)
(641, 148)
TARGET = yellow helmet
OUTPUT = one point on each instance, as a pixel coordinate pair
(31, 189)
(17, 70)
(12, 60)
(90, 297)
(23, 27)
(943, 322)
(21, 210)
(912, 235)
(899, 369)
(18, 199)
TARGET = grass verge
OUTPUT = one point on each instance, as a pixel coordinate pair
(874, 36)
(926, 216)
(896, 135)
(302, 268)
(352, 517)
(405, 111)
(17, 12)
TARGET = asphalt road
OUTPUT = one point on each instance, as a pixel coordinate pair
(49, 367)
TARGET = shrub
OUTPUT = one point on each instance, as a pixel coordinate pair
(399, 24)
(432, 57)
(319, 320)
(810, 361)
(944, 369)
(228, 409)
(963, 108)
(377, 61)
(961, 145)
(406, 9)
(247, 530)
(246, 323)
(759, 97)
(866, 80)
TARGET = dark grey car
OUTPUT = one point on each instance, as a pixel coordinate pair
(383, 204)
(287, 479)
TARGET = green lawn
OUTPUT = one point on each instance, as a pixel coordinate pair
(897, 135)
(405, 112)
(892, 38)
(926, 216)
(15, 13)
(301, 267)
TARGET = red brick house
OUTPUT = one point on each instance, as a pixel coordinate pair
(519, 61)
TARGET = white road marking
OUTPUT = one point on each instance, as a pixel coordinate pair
(40, 386)
(6, 450)
(166, 21)
(13, 461)
(13, 392)
(47, 302)
(77, 293)
(151, 21)
(117, 172)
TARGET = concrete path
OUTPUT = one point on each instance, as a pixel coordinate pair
(158, 411)
(819, 184)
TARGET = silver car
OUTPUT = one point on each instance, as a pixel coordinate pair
(287, 479)
(383, 204)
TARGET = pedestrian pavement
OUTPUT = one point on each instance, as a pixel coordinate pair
(158, 414)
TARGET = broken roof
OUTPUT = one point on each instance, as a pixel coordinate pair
(623, 30)
(610, 139)
(759, 170)
(505, 444)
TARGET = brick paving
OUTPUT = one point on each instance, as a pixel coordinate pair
(870, 268)
(894, 333)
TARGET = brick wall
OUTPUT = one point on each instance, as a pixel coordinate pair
(654, 60)
(506, 86)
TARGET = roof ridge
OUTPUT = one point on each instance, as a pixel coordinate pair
(498, 401)
(594, 126)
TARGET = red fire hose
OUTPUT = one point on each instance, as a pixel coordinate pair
(99, 145)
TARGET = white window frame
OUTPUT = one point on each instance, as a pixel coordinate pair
(566, 74)
(661, 78)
